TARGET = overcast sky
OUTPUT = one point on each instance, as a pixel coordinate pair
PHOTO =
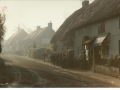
(32, 13)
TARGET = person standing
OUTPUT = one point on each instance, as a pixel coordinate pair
(44, 56)
(63, 62)
(57, 58)
(51, 58)
(84, 60)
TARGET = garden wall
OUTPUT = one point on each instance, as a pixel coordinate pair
(111, 71)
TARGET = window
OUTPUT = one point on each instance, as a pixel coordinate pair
(78, 49)
(78, 32)
(119, 22)
(82, 32)
(101, 27)
(97, 50)
(105, 50)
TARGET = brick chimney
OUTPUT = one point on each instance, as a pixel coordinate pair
(85, 3)
(38, 27)
(50, 25)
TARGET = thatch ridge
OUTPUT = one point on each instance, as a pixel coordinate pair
(16, 37)
(97, 11)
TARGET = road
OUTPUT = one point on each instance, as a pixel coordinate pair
(27, 72)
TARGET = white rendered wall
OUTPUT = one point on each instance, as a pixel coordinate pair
(111, 26)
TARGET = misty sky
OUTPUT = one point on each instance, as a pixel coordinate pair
(31, 13)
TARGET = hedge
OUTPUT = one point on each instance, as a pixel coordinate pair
(36, 53)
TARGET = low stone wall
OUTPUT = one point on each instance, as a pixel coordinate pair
(111, 71)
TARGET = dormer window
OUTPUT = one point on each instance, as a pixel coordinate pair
(101, 27)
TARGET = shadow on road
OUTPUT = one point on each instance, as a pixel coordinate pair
(6, 75)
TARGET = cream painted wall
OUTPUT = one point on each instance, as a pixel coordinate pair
(111, 26)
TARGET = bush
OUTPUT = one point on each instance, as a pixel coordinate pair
(114, 62)
(110, 62)
(36, 52)
(2, 64)
(101, 61)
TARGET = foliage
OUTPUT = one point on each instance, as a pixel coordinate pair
(52, 47)
(112, 62)
(47, 51)
(2, 27)
(101, 61)
(36, 52)
(2, 30)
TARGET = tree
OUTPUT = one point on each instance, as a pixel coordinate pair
(2, 27)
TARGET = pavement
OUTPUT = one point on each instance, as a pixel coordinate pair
(89, 73)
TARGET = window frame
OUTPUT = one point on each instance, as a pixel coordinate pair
(78, 32)
(101, 27)
(119, 22)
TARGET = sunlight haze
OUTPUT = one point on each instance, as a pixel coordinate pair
(31, 13)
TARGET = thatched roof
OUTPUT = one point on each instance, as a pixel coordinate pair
(18, 36)
(97, 11)
(29, 39)
(37, 35)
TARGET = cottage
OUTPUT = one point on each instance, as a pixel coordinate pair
(94, 28)
(39, 38)
(14, 43)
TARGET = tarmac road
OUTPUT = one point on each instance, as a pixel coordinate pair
(27, 72)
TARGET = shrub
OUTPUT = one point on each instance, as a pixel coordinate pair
(114, 62)
(36, 52)
(2, 28)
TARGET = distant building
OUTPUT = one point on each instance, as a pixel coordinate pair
(39, 38)
(14, 43)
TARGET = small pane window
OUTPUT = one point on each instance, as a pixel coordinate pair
(82, 32)
(78, 32)
(78, 50)
(101, 27)
(119, 22)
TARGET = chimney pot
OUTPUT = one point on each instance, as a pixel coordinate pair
(50, 25)
(85, 3)
(38, 27)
